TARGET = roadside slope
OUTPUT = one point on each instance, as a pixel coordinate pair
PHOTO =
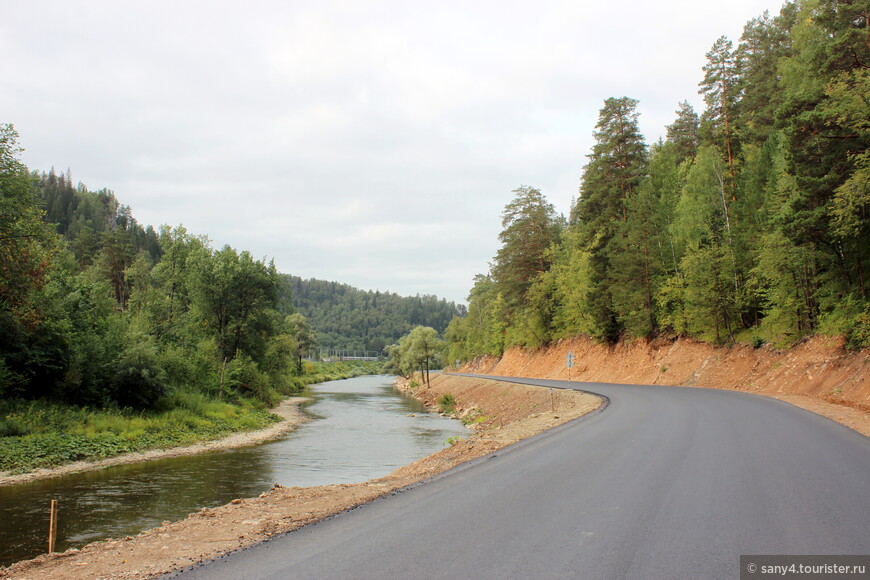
(818, 374)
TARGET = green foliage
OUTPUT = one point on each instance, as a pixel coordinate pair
(232, 294)
(420, 349)
(473, 417)
(346, 318)
(859, 330)
(529, 227)
(100, 312)
(26, 248)
(140, 382)
(54, 433)
(749, 223)
(43, 434)
(447, 403)
(304, 340)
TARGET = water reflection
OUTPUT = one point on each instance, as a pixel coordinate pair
(365, 429)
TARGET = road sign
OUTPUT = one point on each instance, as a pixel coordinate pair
(569, 359)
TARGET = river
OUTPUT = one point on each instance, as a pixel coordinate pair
(362, 429)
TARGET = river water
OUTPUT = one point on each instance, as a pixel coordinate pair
(363, 429)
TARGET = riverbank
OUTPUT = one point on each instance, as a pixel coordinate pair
(500, 413)
(40, 439)
(818, 374)
(288, 410)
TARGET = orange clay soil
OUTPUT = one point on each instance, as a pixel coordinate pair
(818, 374)
(499, 414)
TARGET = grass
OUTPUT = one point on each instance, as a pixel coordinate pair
(474, 418)
(447, 403)
(36, 434)
(50, 434)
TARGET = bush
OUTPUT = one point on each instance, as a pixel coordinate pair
(447, 403)
(10, 427)
(859, 336)
(140, 381)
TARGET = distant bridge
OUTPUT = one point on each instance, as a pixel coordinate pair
(331, 355)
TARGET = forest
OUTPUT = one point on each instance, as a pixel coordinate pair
(746, 223)
(349, 319)
(99, 312)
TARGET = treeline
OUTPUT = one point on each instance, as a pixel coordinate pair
(347, 318)
(96, 310)
(748, 223)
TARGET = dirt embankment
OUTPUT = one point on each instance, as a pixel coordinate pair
(500, 413)
(818, 374)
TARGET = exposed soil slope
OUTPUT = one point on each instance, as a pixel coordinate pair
(818, 374)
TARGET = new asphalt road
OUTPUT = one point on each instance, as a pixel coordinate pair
(664, 482)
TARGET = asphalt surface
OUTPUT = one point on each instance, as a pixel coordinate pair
(664, 482)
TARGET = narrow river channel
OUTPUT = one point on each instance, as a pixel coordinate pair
(362, 429)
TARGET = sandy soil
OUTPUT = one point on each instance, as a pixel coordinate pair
(503, 413)
(288, 410)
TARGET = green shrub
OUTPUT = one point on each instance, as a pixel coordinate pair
(140, 382)
(10, 427)
(447, 403)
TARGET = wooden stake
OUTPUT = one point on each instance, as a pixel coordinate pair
(52, 526)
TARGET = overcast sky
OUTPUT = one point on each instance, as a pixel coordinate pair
(372, 143)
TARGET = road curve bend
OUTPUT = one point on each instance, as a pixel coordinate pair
(665, 482)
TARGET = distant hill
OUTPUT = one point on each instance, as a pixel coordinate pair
(347, 318)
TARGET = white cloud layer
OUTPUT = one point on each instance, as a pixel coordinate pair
(373, 143)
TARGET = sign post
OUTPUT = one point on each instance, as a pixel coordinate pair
(569, 362)
(52, 525)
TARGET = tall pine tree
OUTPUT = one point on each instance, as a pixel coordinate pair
(611, 178)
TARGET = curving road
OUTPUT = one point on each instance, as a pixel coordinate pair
(665, 482)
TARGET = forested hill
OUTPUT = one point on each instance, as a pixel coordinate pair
(97, 310)
(347, 318)
(749, 222)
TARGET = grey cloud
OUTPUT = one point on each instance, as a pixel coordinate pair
(371, 143)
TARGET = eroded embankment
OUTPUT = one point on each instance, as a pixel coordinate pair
(503, 413)
(818, 374)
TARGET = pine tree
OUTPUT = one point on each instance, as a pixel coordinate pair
(616, 167)
(683, 133)
(611, 178)
(529, 225)
(825, 100)
(721, 90)
(763, 43)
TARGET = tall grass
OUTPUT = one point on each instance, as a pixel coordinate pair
(37, 434)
